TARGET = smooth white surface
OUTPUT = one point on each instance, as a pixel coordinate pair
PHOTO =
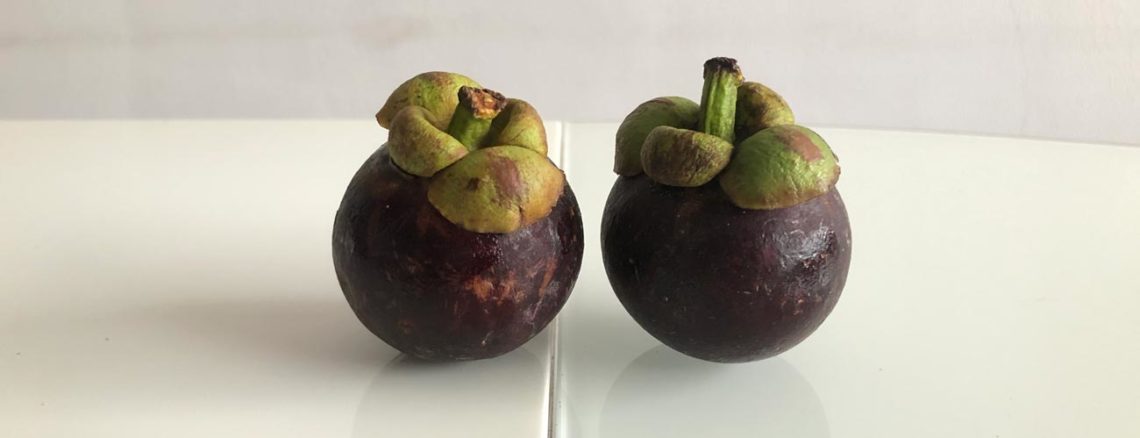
(175, 279)
(1053, 69)
(992, 293)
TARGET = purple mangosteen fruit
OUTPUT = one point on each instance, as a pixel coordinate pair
(724, 235)
(457, 239)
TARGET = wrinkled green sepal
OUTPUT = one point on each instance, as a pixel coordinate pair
(683, 157)
(759, 108)
(676, 112)
(436, 91)
(779, 167)
(497, 189)
(518, 125)
(419, 146)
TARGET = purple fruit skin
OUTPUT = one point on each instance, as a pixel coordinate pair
(718, 282)
(439, 292)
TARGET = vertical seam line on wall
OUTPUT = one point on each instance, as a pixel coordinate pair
(556, 340)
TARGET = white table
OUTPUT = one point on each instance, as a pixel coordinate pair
(993, 292)
(174, 279)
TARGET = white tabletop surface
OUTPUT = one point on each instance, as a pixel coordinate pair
(174, 279)
(993, 293)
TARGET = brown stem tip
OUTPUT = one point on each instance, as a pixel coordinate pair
(721, 64)
(484, 103)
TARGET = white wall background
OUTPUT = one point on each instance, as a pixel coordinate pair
(1057, 69)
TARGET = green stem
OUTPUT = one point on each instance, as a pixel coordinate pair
(718, 99)
(473, 116)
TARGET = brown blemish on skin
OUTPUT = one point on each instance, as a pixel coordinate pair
(506, 175)
(551, 267)
(508, 288)
(801, 144)
(481, 287)
(695, 162)
(473, 184)
(438, 78)
(517, 187)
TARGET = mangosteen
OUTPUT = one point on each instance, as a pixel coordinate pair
(458, 238)
(724, 235)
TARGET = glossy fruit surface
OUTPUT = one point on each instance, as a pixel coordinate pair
(718, 282)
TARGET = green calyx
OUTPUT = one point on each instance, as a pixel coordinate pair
(419, 146)
(485, 155)
(677, 142)
(436, 91)
(779, 167)
(519, 125)
(759, 108)
(473, 117)
(684, 158)
(676, 112)
(497, 189)
(742, 134)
